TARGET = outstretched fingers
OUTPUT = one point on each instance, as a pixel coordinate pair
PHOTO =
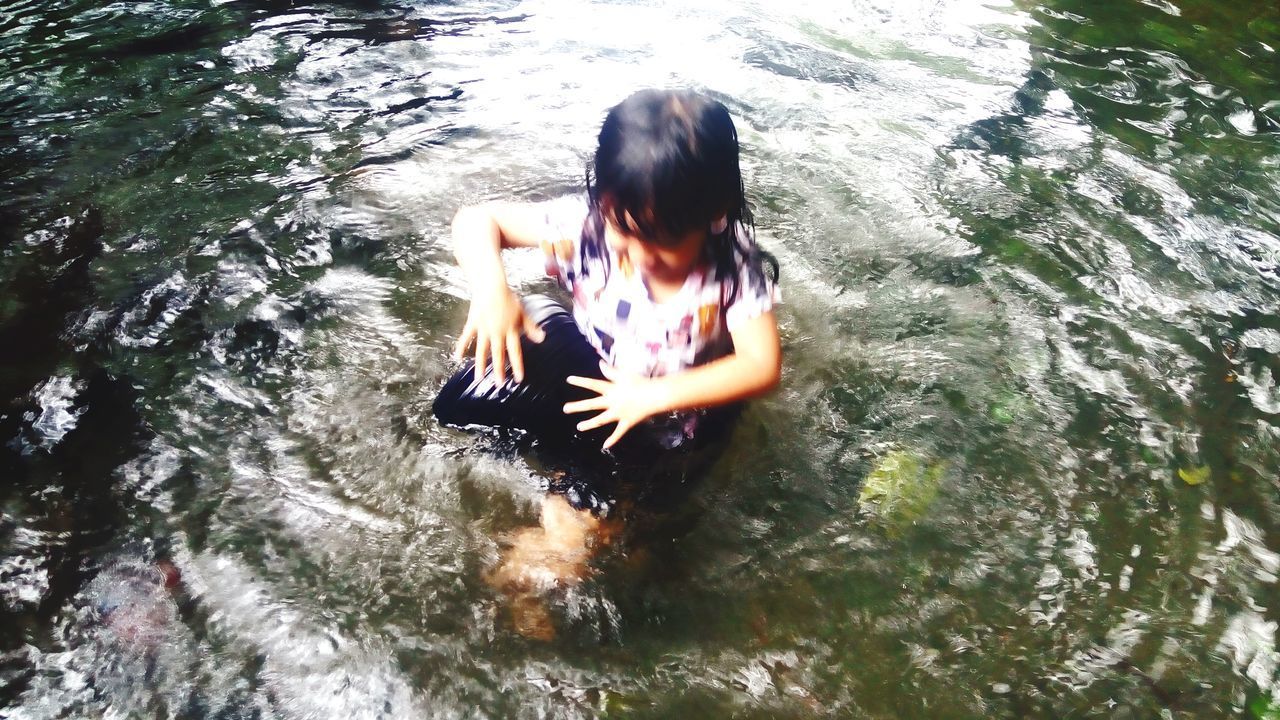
(499, 351)
(464, 340)
(515, 355)
(599, 402)
(534, 331)
(600, 420)
(482, 354)
(602, 402)
(597, 386)
(581, 406)
(618, 432)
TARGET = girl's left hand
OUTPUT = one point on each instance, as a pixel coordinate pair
(623, 399)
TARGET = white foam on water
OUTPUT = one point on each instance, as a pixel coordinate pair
(58, 414)
(313, 669)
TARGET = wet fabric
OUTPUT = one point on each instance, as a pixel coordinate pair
(654, 463)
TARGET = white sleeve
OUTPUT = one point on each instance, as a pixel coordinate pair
(563, 219)
(756, 295)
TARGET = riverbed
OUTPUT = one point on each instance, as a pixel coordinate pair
(1022, 463)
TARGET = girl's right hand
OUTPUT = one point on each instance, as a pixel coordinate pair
(495, 322)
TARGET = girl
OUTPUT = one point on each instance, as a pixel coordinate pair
(672, 318)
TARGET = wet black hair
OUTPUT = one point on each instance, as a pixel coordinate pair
(667, 164)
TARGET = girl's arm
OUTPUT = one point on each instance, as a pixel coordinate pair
(496, 318)
(753, 369)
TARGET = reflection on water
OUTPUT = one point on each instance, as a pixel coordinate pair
(1022, 463)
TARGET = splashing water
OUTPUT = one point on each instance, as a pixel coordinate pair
(1022, 463)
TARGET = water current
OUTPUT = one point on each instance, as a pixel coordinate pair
(1023, 461)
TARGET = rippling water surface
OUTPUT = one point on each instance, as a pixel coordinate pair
(1023, 462)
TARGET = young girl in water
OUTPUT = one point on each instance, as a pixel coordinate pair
(672, 322)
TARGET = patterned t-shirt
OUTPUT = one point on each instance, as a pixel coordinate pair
(619, 317)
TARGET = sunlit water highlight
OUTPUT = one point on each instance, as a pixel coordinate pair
(1023, 462)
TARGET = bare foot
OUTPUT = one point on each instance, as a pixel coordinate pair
(531, 617)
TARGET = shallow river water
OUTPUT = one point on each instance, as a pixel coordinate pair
(1024, 461)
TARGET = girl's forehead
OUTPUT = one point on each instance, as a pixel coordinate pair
(627, 219)
(652, 222)
(662, 240)
(612, 206)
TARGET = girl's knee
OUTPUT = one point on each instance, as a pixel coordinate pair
(570, 528)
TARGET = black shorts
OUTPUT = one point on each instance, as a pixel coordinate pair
(651, 464)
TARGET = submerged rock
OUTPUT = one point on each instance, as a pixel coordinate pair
(901, 487)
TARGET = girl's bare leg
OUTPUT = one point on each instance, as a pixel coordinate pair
(554, 555)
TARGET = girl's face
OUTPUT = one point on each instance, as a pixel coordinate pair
(668, 262)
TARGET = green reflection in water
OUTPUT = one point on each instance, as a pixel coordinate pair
(1087, 382)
